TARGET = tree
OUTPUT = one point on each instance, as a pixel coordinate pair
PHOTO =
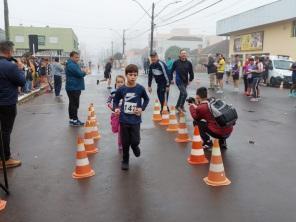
(172, 52)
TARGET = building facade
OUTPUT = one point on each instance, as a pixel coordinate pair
(267, 30)
(51, 41)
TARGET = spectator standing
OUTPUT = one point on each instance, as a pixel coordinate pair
(212, 70)
(57, 72)
(74, 85)
(220, 72)
(11, 77)
(235, 73)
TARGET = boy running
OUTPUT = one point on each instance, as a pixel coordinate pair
(134, 102)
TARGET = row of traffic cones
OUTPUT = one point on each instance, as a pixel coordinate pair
(216, 175)
(86, 146)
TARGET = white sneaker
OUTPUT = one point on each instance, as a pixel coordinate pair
(220, 91)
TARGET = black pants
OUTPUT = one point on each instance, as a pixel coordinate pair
(73, 103)
(130, 137)
(205, 134)
(7, 117)
(57, 85)
(246, 82)
(161, 93)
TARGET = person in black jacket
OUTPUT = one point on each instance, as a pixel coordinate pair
(11, 77)
(212, 70)
(107, 73)
(183, 69)
(159, 71)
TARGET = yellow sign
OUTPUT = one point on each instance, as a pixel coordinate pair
(249, 42)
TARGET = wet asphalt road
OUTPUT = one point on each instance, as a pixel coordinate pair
(161, 185)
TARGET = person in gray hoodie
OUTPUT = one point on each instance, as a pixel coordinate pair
(57, 71)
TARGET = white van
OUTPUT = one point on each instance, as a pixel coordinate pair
(279, 71)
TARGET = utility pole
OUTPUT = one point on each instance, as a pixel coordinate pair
(6, 20)
(112, 48)
(152, 28)
(123, 42)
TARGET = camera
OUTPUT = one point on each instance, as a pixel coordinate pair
(190, 100)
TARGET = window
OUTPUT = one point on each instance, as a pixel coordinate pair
(294, 29)
(41, 40)
(19, 38)
(53, 40)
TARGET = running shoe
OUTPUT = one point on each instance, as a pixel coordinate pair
(124, 166)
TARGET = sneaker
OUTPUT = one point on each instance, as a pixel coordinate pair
(254, 100)
(80, 123)
(11, 163)
(208, 145)
(220, 91)
(124, 166)
(98, 82)
(137, 151)
(71, 122)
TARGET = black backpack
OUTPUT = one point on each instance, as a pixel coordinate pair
(224, 114)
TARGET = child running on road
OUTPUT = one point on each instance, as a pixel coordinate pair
(134, 102)
(119, 82)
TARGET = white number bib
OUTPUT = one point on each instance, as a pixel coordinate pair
(130, 108)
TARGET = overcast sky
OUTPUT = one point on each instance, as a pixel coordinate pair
(93, 19)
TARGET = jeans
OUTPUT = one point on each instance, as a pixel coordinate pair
(130, 137)
(256, 82)
(57, 85)
(182, 96)
(7, 117)
(161, 93)
(205, 134)
(28, 86)
(74, 97)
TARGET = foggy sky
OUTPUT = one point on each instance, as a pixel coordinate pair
(93, 19)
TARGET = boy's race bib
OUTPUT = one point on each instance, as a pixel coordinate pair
(130, 108)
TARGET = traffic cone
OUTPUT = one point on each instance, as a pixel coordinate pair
(82, 169)
(197, 153)
(88, 139)
(156, 113)
(92, 117)
(216, 176)
(173, 123)
(95, 131)
(2, 204)
(183, 136)
(165, 118)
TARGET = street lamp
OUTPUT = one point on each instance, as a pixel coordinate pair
(152, 17)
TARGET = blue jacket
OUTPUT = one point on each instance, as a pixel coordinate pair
(74, 77)
(161, 74)
(10, 79)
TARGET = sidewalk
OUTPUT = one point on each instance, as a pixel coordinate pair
(37, 92)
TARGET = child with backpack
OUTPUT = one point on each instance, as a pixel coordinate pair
(213, 117)
(114, 120)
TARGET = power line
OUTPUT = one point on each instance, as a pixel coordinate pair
(185, 10)
(194, 13)
(139, 35)
(177, 9)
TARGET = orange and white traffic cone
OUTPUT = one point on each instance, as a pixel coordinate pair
(165, 118)
(197, 153)
(173, 123)
(92, 116)
(2, 204)
(216, 176)
(88, 139)
(82, 169)
(183, 136)
(156, 113)
(95, 131)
